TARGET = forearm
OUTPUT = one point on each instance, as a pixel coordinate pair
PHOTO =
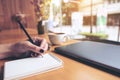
(22, 48)
(6, 51)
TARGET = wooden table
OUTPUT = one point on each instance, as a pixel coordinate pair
(72, 70)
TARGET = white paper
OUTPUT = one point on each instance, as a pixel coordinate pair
(30, 66)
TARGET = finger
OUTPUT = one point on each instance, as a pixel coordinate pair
(36, 54)
(34, 39)
(45, 47)
(41, 48)
(43, 43)
(34, 48)
(37, 39)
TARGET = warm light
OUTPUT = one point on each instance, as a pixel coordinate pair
(56, 2)
(66, 1)
(88, 2)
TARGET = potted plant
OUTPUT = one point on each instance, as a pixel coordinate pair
(41, 12)
(94, 35)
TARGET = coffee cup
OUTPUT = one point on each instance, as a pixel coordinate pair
(57, 38)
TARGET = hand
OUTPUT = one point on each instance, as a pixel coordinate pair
(22, 47)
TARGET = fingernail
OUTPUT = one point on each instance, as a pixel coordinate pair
(35, 54)
(41, 51)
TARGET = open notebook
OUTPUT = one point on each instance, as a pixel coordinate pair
(21, 68)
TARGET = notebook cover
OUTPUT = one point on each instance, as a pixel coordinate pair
(102, 55)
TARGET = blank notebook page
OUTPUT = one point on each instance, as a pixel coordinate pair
(29, 66)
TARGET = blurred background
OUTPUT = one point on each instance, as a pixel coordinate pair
(72, 17)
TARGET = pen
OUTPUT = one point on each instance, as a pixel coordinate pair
(18, 19)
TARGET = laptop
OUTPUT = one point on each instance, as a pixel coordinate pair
(104, 56)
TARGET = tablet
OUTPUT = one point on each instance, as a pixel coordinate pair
(103, 55)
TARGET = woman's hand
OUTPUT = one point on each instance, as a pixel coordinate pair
(26, 46)
(22, 48)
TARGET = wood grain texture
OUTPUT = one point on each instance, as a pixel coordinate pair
(72, 70)
(14, 35)
(10, 7)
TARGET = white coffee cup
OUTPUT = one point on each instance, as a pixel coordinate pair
(57, 38)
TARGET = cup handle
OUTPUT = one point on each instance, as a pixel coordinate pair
(66, 38)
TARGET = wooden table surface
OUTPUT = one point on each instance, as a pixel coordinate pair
(71, 70)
